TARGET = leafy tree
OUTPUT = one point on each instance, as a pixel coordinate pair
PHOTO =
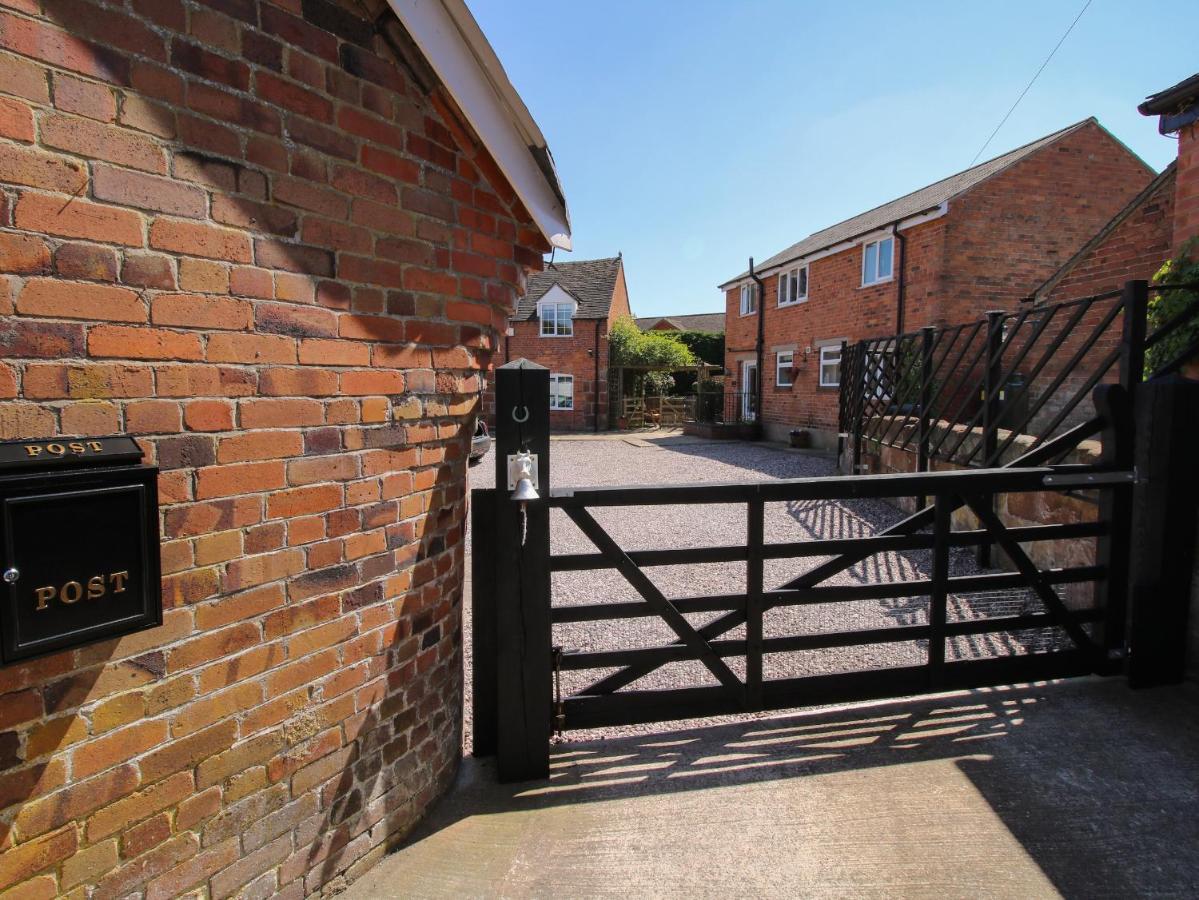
(633, 347)
(630, 346)
(1165, 305)
(706, 345)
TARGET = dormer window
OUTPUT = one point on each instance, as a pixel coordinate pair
(556, 320)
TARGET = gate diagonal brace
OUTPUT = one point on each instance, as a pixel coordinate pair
(1027, 568)
(655, 598)
(913, 523)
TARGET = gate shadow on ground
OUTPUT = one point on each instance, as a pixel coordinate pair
(1099, 785)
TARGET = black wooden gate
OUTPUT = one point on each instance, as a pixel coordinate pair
(516, 665)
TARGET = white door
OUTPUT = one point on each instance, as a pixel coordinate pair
(749, 391)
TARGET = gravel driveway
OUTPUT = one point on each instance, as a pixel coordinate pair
(684, 460)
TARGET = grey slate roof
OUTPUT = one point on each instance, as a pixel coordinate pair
(590, 281)
(691, 322)
(923, 200)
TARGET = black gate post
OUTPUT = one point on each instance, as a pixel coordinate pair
(1135, 299)
(524, 667)
(1164, 526)
(992, 375)
(859, 403)
(927, 339)
(482, 621)
(1113, 549)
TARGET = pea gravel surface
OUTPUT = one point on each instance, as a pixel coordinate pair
(677, 459)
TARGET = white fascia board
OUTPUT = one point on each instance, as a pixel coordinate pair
(456, 49)
(904, 224)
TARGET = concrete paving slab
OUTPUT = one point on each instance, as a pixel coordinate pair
(1079, 788)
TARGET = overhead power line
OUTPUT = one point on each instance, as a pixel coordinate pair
(1030, 83)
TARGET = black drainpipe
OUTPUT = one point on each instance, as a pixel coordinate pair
(596, 389)
(899, 288)
(761, 341)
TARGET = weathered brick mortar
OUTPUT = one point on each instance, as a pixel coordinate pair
(252, 242)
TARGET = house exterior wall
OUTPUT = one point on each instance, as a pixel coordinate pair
(1135, 249)
(250, 240)
(573, 356)
(1186, 198)
(992, 248)
(838, 307)
(1009, 234)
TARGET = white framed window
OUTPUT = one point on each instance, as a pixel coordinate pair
(784, 361)
(749, 299)
(830, 366)
(877, 261)
(793, 286)
(562, 391)
(556, 320)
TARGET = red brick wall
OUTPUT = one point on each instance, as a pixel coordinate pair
(1009, 234)
(569, 356)
(1186, 198)
(259, 247)
(992, 248)
(1136, 248)
(837, 307)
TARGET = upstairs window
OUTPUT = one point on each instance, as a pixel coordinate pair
(793, 286)
(556, 320)
(749, 299)
(562, 391)
(876, 261)
(784, 361)
(830, 366)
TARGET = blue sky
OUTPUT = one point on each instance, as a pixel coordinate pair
(691, 135)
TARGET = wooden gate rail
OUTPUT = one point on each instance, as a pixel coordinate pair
(515, 703)
(950, 490)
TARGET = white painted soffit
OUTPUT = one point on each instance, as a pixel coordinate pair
(456, 48)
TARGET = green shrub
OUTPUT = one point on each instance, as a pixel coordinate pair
(1165, 305)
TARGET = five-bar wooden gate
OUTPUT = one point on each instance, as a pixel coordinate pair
(516, 665)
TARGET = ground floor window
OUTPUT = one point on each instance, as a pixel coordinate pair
(562, 392)
(830, 366)
(784, 360)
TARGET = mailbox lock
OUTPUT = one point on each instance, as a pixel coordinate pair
(11, 575)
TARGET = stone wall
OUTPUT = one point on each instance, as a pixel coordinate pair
(239, 230)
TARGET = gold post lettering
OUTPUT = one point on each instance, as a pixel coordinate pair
(95, 587)
(56, 449)
(44, 596)
(118, 579)
(77, 447)
(33, 449)
(96, 446)
(71, 592)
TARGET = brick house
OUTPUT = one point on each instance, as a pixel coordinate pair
(982, 239)
(562, 322)
(1155, 224)
(1177, 109)
(277, 241)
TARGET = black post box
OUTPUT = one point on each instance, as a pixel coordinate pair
(79, 544)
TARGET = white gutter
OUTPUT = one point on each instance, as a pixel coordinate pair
(455, 47)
